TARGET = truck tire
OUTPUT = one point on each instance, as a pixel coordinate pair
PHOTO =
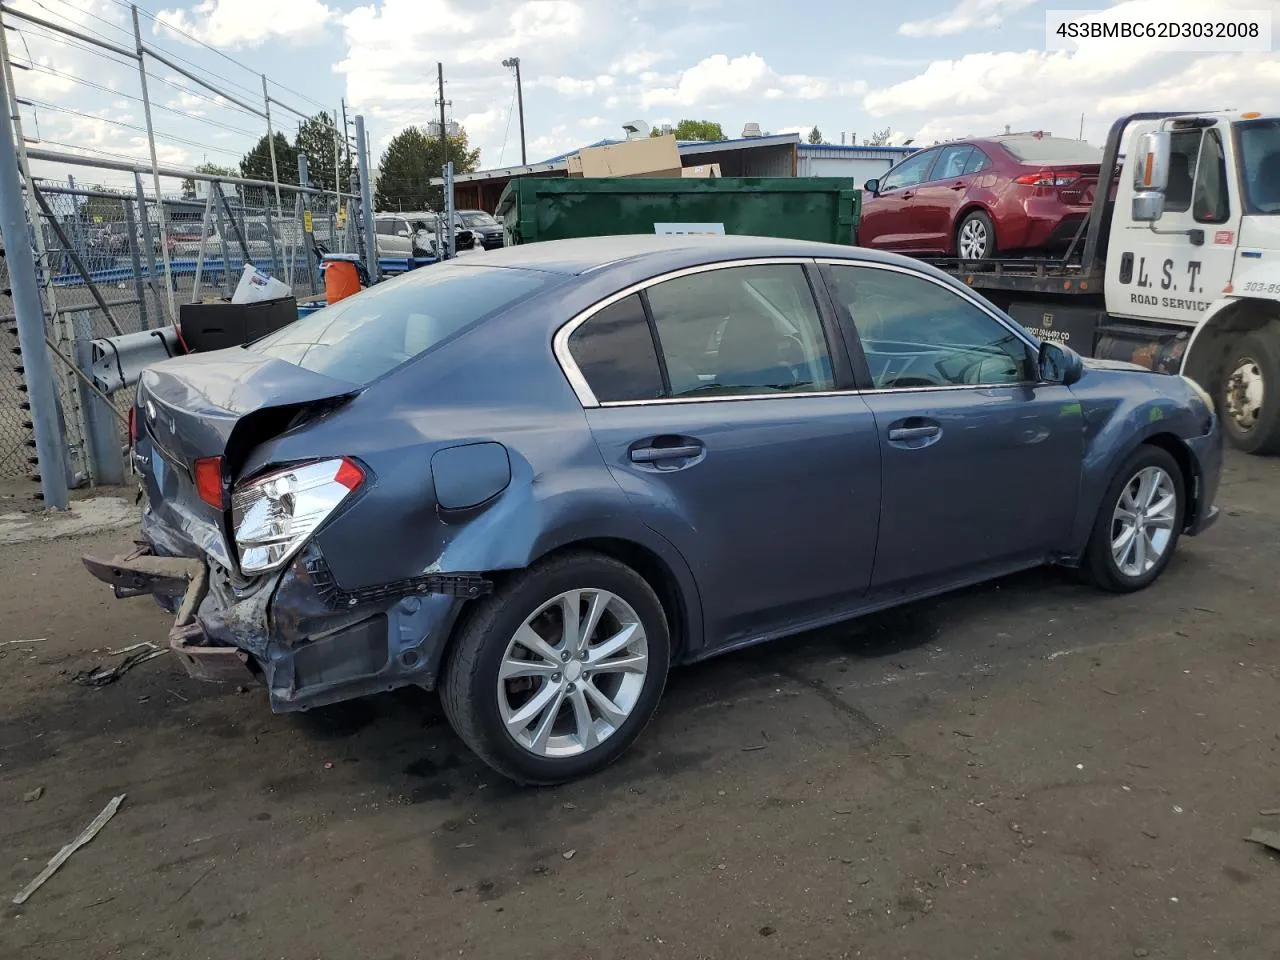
(976, 237)
(1249, 394)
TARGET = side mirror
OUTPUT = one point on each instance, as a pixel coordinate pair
(1058, 364)
(403, 232)
(1150, 176)
(872, 187)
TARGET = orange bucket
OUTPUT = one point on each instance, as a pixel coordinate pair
(341, 280)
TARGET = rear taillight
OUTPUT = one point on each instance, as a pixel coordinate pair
(133, 425)
(208, 471)
(275, 514)
(1049, 178)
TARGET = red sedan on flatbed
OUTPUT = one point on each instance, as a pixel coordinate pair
(1024, 193)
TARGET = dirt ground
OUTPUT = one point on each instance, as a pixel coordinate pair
(1027, 770)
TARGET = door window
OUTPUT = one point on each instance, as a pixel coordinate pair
(977, 162)
(916, 333)
(951, 162)
(1183, 151)
(614, 351)
(909, 172)
(384, 228)
(741, 330)
(1209, 202)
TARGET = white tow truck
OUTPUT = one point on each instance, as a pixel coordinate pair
(1181, 273)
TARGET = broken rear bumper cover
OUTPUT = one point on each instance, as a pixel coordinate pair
(295, 630)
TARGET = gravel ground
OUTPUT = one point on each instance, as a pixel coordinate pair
(1029, 769)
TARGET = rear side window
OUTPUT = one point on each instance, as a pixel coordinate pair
(361, 338)
(977, 162)
(615, 352)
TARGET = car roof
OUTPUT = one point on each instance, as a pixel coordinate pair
(587, 254)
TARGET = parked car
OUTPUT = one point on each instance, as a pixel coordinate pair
(536, 480)
(411, 234)
(975, 198)
(486, 232)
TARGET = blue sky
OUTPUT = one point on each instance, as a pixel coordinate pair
(927, 69)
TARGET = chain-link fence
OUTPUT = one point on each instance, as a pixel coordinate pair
(119, 262)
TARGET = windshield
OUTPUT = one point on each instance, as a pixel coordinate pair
(361, 338)
(1259, 143)
(1051, 150)
(478, 220)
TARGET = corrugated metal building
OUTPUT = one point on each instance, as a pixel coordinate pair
(859, 164)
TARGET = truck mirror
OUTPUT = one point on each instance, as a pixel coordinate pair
(1148, 206)
(872, 186)
(1151, 166)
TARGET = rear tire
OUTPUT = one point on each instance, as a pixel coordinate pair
(1147, 499)
(515, 653)
(976, 237)
(1249, 393)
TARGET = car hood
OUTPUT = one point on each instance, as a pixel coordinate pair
(1093, 363)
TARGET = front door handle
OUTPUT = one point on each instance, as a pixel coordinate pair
(959, 185)
(914, 433)
(658, 454)
(907, 195)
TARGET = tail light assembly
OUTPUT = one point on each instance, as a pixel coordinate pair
(1049, 178)
(275, 514)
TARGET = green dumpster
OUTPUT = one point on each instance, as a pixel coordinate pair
(802, 208)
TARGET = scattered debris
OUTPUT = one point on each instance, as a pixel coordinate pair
(1205, 609)
(183, 894)
(1176, 808)
(759, 746)
(464, 846)
(568, 854)
(569, 806)
(767, 931)
(5, 643)
(1273, 812)
(843, 812)
(1079, 766)
(176, 694)
(962, 733)
(33, 795)
(63, 855)
(100, 676)
(1140, 952)
(1151, 834)
(1268, 838)
(1108, 690)
(328, 764)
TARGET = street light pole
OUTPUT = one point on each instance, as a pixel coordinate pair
(514, 62)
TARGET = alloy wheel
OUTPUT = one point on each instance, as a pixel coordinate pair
(973, 239)
(572, 673)
(1142, 523)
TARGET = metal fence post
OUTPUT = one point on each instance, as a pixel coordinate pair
(275, 176)
(222, 241)
(147, 242)
(132, 227)
(102, 428)
(276, 267)
(171, 306)
(450, 232)
(36, 364)
(308, 233)
(366, 203)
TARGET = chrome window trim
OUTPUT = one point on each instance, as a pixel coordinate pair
(560, 341)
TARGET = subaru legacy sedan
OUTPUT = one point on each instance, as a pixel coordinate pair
(536, 482)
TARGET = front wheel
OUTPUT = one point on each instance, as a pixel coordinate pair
(1249, 395)
(559, 670)
(1138, 522)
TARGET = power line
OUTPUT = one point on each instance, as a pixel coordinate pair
(506, 133)
(89, 13)
(72, 42)
(45, 105)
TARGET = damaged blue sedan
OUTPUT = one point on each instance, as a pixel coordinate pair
(536, 481)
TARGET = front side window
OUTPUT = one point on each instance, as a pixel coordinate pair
(909, 172)
(1184, 150)
(1210, 202)
(1259, 143)
(614, 352)
(741, 330)
(384, 228)
(916, 333)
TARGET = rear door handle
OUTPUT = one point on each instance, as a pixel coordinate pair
(658, 454)
(907, 195)
(959, 185)
(914, 433)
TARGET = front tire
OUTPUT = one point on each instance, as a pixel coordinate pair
(557, 672)
(1139, 522)
(976, 237)
(1249, 395)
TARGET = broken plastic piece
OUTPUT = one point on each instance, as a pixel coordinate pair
(63, 855)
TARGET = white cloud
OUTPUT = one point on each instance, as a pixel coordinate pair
(638, 61)
(718, 80)
(244, 23)
(964, 16)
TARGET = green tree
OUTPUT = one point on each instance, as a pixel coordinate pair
(815, 136)
(256, 164)
(213, 170)
(316, 138)
(695, 130)
(411, 160)
(879, 139)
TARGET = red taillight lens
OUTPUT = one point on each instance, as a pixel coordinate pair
(349, 474)
(1048, 178)
(133, 425)
(208, 472)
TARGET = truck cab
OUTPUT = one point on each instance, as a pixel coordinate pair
(1195, 240)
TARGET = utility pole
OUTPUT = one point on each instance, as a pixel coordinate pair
(444, 134)
(514, 62)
